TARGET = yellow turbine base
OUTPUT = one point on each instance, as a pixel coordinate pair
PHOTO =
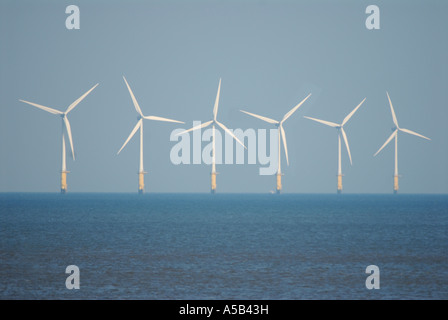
(63, 181)
(141, 182)
(213, 182)
(279, 182)
(395, 184)
(339, 182)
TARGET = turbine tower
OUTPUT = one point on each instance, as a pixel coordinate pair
(281, 136)
(214, 122)
(340, 128)
(67, 127)
(139, 125)
(394, 134)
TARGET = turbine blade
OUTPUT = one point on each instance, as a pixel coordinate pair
(414, 133)
(284, 143)
(53, 111)
(351, 113)
(215, 108)
(202, 125)
(328, 123)
(346, 144)
(294, 109)
(261, 117)
(69, 133)
(162, 119)
(387, 141)
(137, 126)
(231, 133)
(137, 107)
(394, 117)
(74, 104)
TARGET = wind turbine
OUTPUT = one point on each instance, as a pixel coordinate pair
(394, 134)
(139, 125)
(281, 136)
(65, 125)
(214, 122)
(340, 128)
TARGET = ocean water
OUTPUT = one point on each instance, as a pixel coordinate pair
(223, 246)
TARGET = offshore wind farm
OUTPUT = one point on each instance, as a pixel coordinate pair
(66, 128)
(258, 90)
(188, 209)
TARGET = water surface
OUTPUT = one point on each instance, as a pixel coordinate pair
(223, 246)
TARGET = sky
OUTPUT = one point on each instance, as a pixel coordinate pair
(269, 54)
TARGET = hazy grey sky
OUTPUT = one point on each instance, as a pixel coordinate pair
(269, 54)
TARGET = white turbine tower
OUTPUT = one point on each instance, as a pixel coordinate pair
(340, 128)
(214, 122)
(139, 125)
(65, 125)
(281, 136)
(394, 134)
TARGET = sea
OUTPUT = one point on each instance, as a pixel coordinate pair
(224, 246)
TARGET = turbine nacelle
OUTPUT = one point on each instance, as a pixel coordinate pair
(140, 118)
(396, 128)
(63, 115)
(279, 125)
(340, 126)
(214, 120)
